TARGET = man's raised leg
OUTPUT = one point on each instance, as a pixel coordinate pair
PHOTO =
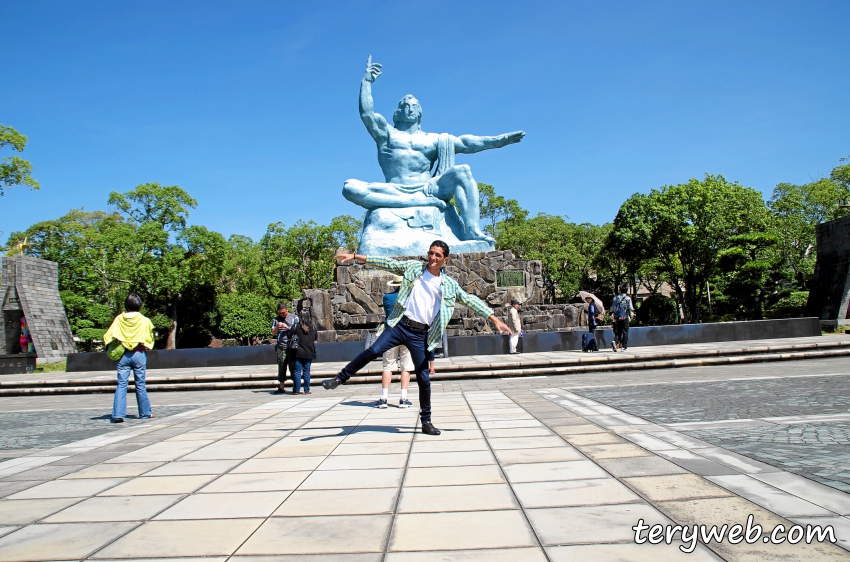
(459, 183)
(388, 340)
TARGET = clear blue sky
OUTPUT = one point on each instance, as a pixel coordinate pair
(252, 106)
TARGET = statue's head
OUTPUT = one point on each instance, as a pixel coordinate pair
(408, 111)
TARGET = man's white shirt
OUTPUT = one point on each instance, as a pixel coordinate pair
(423, 305)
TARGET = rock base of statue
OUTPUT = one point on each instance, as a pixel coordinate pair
(409, 231)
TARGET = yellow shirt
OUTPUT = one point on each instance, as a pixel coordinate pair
(131, 329)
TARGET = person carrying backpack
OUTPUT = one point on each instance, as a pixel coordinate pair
(621, 312)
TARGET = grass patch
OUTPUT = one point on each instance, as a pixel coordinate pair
(52, 367)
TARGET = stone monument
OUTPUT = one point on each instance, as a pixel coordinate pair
(30, 289)
(829, 297)
(411, 207)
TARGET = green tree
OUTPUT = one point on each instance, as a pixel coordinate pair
(301, 256)
(496, 208)
(14, 170)
(244, 316)
(750, 263)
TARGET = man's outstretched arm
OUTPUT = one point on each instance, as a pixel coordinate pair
(375, 122)
(387, 264)
(467, 144)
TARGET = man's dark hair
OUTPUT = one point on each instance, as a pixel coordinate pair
(282, 305)
(441, 245)
(624, 288)
(133, 303)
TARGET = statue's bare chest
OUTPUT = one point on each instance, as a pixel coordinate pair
(423, 143)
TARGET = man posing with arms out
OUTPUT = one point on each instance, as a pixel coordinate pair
(424, 307)
(397, 357)
(283, 327)
(621, 312)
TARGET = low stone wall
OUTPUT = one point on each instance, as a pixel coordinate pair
(352, 307)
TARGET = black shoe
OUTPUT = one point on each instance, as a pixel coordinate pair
(117, 420)
(330, 384)
(429, 429)
(614, 346)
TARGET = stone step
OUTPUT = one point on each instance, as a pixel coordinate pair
(571, 363)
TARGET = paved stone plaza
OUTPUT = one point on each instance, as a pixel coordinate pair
(540, 468)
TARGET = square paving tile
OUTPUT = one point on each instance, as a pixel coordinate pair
(122, 470)
(675, 487)
(526, 442)
(629, 553)
(225, 506)
(297, 449)
(118, 508)
(614, 451)
(639, 466)
(165, 451)
(339, 502)
(546, 454)
(392, 448)
(457, 458)
(188, 468)
(230, 449)
(152, 485)
(453, 476)
(599, 491)
(67, 488)
(591, 524)
(524, 554)
(517, 432)
(256, 482)
(21, 512)
(337, 557)
(447, 531)
(584, 439)
(552, 471)
(439, 446)
(280, 464)
(360, 462)
(348, 479)
(58, 542)
(319, 535)
(160, 539)
(814, 492)
(777, 501)
(510, 424)
(456, 498)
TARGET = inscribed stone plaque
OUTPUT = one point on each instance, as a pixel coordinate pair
(510, 278)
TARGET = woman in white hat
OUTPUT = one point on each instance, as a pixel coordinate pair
(397, 358)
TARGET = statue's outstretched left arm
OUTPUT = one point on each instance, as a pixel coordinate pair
(467, 144)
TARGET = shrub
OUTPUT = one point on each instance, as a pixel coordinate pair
(790, 306)
(657, 310)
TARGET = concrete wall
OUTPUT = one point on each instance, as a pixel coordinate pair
(567, 340)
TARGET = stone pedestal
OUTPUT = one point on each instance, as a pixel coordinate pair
(410, 230)
(30, 288)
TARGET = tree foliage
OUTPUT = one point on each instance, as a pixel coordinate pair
(14, 170)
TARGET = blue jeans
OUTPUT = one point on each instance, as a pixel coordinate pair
(302, 367)
(138, 362)
(416, 342)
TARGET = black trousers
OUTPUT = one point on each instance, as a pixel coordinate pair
(621, 332)
(285, 359)
(416, 341)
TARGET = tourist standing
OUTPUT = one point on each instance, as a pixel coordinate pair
(515, 324)
(282, 327)
(621, 312)
(426, 301)
(304, 341)
(397, 358)
(591, 312)
(135, 333)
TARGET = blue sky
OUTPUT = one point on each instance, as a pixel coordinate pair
(252, 106)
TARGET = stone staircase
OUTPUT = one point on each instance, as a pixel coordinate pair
(473, 367)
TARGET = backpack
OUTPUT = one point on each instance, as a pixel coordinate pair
(588, 342)
(618, 308)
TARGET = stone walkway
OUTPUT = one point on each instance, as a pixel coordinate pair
(539, 469)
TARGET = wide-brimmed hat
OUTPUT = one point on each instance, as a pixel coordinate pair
(395, 281)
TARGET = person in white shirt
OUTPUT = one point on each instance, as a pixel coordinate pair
(515, 324)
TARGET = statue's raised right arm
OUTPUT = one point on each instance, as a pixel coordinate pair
(375, 122)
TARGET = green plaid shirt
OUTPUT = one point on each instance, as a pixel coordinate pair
(411, 271)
